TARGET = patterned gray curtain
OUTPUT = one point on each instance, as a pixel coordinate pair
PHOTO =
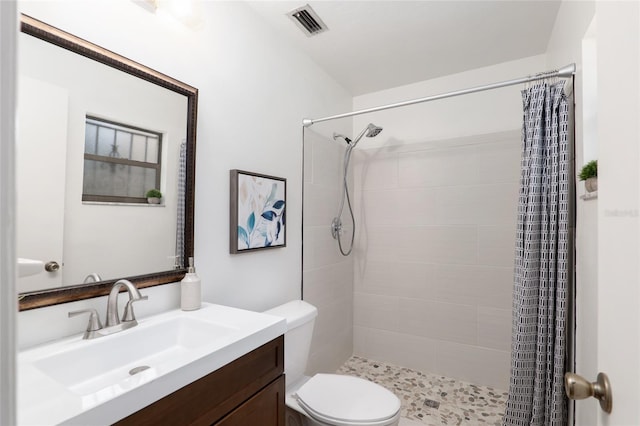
(182, 185)
(536, 391)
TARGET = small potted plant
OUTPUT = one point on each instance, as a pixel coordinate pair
(153, 196)
(589, 174)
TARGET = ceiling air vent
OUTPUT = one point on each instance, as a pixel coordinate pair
(308, 21)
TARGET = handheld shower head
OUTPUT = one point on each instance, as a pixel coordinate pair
(373, 130)
(370, 131)
(336, 225)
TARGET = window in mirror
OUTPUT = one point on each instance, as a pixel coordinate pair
(121, 162)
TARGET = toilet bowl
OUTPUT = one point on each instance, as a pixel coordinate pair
(339, 400)
(327, 399)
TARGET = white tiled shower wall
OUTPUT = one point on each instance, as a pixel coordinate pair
(434, 255)
(327, 275)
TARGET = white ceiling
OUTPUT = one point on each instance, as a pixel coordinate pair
(374, 45)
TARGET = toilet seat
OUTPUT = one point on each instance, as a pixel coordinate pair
(348, 401)
(341, 422)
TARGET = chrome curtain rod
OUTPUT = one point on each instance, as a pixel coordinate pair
(563, 72)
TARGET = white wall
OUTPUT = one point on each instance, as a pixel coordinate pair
(254, 91)
(437, 198)
(469, 115)
(565, 46)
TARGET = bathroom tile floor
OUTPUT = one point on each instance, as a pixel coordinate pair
(430, 399)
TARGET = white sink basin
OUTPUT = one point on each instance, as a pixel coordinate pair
(161, 346)
(78, 381)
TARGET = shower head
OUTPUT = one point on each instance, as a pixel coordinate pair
(373, 130)
(370, 131)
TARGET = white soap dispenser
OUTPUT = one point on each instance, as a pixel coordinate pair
(190, 293)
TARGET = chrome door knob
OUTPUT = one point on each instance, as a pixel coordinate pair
(577, 387)
(51, 266)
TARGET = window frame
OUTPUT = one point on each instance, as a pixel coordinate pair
(121, 199)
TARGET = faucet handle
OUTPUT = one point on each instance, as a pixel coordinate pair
(94, 321)
(128, 309)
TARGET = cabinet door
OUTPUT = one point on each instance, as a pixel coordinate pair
(213, 397)
(266, 408)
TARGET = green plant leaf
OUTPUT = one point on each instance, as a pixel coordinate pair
(154, 193)
(589, 170)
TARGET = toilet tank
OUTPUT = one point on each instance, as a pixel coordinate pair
(300, 317)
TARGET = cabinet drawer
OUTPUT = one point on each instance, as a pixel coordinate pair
(209, 399)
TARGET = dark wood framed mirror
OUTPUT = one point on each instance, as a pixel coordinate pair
(67, 293)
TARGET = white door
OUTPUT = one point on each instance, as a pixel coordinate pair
(618, 285)
(40, 178)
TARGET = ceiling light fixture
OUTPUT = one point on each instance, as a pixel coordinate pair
(185, 11)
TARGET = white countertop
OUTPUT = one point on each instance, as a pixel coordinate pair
(43, 400)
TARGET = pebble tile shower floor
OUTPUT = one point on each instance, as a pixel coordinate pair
(429, 399)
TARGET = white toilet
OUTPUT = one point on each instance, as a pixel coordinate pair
(327, 399)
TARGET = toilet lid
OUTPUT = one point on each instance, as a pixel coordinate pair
(347, 400)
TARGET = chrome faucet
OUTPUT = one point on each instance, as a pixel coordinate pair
(113, 325)
(94, 326)
(128, 318)
(93, 277)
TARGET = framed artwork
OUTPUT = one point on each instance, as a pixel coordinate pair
(257, 211)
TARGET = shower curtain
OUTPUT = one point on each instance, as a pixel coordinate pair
(180, 220)
(541, 273)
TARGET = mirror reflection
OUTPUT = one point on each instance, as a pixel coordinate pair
(92, 142)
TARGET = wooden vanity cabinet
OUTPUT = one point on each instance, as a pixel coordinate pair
(246, 392)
